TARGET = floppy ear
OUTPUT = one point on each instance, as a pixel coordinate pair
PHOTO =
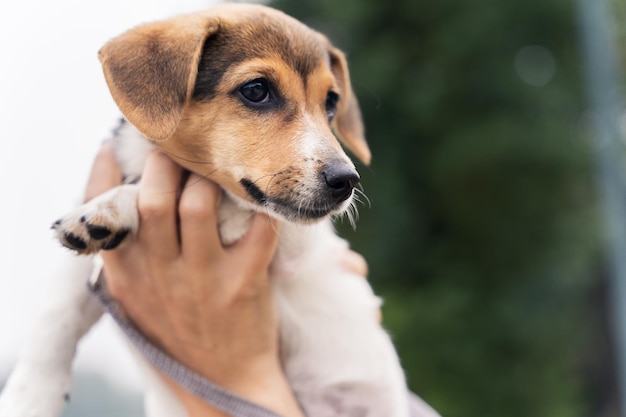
(151, 71)
(348, 123)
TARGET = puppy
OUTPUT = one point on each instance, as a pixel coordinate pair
(248, 97)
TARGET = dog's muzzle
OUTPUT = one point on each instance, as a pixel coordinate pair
(308, 202)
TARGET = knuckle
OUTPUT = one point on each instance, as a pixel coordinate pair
(198, 202)
(362, 266)
(194, 208)
(355, 263)
(153, 207)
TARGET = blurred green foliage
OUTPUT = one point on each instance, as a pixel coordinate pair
(482, 235)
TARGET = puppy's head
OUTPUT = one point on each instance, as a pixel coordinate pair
(248, 97)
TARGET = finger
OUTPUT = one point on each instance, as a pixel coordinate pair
(157, 201)
(355, 263)
(105, 173)
(199, 235)
(258, 246)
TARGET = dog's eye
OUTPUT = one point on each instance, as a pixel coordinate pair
(331, 105)
(256, 91)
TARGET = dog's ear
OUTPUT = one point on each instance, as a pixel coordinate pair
(151, 71)
(348, 123)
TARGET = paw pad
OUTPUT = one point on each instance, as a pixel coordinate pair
(116, 240)
(74, 241)
(98, 232)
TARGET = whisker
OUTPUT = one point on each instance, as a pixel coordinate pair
(351, 214)
(359, 193)
(269, 183)
(202, 177)
(173, 155)
(299, 207)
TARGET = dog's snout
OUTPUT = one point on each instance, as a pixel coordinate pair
(340, 180)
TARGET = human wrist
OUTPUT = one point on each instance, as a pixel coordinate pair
(258, 378)
(270, 391)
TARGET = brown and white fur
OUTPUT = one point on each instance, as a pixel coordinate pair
(190, 86)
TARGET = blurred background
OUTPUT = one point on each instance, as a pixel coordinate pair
(485, 233)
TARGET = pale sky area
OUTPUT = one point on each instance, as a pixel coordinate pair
(54, 111)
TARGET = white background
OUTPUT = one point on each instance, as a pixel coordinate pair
(54, 111)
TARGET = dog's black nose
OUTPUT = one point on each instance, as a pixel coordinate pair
(341, 179)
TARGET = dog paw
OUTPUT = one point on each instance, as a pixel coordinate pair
(102, 223)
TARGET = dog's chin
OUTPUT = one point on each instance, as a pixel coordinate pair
(304, 215)
(298, 212)
(302, 212)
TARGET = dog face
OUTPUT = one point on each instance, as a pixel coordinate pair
(248, 97)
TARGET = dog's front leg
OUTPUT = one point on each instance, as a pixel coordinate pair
(40, 383)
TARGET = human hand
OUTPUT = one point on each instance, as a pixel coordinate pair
(209, 307)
